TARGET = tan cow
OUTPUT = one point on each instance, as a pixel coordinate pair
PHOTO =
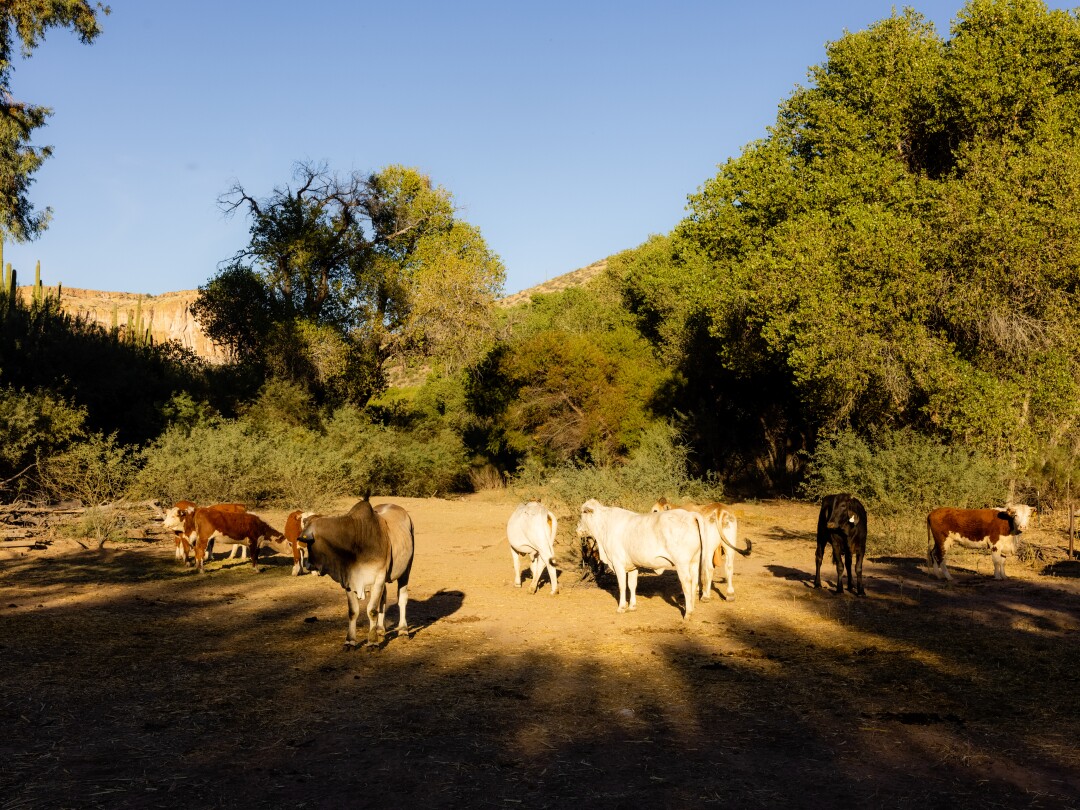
(364, 550)
(723, 528)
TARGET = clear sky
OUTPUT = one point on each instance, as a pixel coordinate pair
(566, 131)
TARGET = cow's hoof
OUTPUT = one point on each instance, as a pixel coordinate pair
(554, 591)
(517, 584)
(633, 607)
(860, 592)
(705, 597)
(350, 645)
(620, 609)
(729, 598)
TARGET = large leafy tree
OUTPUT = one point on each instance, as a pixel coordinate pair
(902, 248)
(24, 23)
(345, 274)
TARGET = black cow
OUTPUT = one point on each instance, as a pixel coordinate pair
(842, 523)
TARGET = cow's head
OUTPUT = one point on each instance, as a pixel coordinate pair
(662, 505)
(841, 515)
(174, 515)
(1020, 515)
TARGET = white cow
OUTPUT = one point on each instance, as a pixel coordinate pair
(531, 532)
(722, 532)
(627, 541)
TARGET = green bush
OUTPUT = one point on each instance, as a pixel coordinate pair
(95, 471)
(262, 461)
(900, 476)
(33, 425)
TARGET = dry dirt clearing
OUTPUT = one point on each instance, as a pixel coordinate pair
(130, 681)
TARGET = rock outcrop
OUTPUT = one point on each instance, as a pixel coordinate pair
(167, 316)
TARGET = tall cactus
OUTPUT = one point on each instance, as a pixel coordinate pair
(39, 291)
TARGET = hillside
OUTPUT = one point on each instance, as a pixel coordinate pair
(168, 316)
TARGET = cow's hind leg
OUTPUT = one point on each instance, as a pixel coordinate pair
(729, 574)
(402, 602)
(859, 554)
(620, 576)
(552, 575)
(536, 565)
(819, 556)
(517, 567)
(689, 587)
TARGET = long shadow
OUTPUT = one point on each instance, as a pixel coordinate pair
(142, 700)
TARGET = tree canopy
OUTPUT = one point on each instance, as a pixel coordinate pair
(901, 249)
(26, 22)
(346, 273)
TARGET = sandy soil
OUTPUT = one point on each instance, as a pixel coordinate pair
(130, 681)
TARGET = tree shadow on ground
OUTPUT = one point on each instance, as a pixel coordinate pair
(220, 692)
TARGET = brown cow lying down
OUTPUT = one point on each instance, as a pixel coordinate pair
(995, 529)
(185, 539)
(364, 550)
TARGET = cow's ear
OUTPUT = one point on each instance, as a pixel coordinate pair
(586, 510)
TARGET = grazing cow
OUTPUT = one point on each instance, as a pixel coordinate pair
(293, 526)
(723, 528)
(209, 524)
(842, 524)
(185, 539)
(531, 532)
(364, 549)
(627, 541)
(995, 529)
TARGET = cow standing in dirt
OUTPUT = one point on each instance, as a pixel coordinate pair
(842, 525)
(995, 529)
(531, 533)
(364, 550)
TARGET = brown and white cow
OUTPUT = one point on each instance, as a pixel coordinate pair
(294, 524)
(721, 540)
(364, 550)
(995, 529)
(185, 539)
(210, 524)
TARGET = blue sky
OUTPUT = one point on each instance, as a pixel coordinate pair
(566, 131)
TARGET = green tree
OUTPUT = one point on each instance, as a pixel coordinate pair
(344, 274)
(901, 249)
(26, 22)
(573, 381)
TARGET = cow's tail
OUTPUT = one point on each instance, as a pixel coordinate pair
(720, 521)
(553, 529)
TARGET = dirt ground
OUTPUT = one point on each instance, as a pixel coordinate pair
(130, 681)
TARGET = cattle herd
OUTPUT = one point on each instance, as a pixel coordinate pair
(372, 546)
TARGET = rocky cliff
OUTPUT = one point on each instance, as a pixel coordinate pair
(167, 316)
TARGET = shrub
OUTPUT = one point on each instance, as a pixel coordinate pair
(94, 471)
(33, 426)
(900, 476)
(100, 524)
